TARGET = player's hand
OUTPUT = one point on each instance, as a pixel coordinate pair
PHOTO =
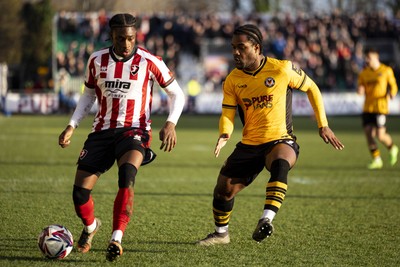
(220, 144)
(168, 136)
(329, 137)
(65, 136)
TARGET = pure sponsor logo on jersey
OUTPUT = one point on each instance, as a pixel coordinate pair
(242, 86)
(264, 101)
(372, 83)
(117, 88)
(269, 82)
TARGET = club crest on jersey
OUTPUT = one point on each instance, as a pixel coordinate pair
(269, 82)
(134, 69)
(83, 153)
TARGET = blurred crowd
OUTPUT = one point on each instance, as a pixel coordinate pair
(329, 47)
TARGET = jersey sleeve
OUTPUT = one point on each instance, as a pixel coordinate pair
(177, 101)
(90, 73)
(299, 80)
(360, 80)
(229, 104)
(83, 107)
(392, 82)
(160, 71)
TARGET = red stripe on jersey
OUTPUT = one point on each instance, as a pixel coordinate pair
(101, 114)
(157, 73)
(129, 112)
(104, 65)
(114, 113)
(118, 69)
(91, 82)
(142, 118)
(135, 67)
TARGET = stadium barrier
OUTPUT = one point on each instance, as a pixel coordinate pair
(206, 103)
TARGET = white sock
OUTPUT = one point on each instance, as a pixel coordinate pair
(92, 227)
(268, 214)
(221, 229)
(117, 236)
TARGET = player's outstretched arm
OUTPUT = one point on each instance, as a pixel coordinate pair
(329, 137)
(65, 137)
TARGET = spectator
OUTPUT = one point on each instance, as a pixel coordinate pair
(327, 45)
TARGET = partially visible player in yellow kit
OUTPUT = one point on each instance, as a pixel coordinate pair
(373, 82)
(261, 89)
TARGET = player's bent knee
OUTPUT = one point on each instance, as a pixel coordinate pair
(80, 195)
(126, 175)
(279, 170)
(224, 196)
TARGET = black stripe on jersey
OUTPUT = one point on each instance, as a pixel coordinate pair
(241, 114)
(303, 82)
(228, 106)
(289, 118)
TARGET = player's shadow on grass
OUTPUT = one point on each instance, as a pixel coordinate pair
(37, 163)
(24, 246)
(209, 195)
(246, 195)
(160, 242)
(37, 259)
(128, 244)
(155, 251)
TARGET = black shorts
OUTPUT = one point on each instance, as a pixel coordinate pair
(375, 119)
(101, 149)
(247, 161)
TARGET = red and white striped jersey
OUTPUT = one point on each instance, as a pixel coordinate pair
(124, 88)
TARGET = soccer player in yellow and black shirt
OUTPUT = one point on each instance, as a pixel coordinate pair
(373, 82)
(261, 89)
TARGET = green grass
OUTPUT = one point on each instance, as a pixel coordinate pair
(336, 212)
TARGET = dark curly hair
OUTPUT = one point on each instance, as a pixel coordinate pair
(252, 32)
(122, 20)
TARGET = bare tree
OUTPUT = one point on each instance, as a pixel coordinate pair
(10, 31)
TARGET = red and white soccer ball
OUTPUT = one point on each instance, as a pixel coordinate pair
(55, 242)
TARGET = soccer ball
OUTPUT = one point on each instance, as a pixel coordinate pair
(55, 242)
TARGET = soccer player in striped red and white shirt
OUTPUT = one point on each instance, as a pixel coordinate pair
(121, 78)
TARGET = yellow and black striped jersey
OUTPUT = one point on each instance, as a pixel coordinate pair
(264, 99)
(376, 83)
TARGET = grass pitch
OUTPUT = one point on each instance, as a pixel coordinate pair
(336, 212)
